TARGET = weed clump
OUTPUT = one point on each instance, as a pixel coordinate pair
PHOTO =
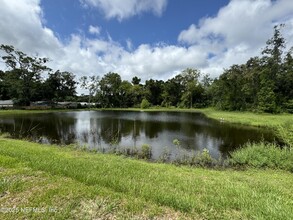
(262, 155)
(146, 152)
(197, 159)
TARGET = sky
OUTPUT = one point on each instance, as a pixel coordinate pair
(146, 38)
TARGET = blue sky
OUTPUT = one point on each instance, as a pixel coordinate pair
(146, 38)
(67, 16)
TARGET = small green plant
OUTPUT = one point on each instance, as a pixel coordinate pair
(127, 151)
(4, 184)
(197, 159)
(146, 152)
(145, 104)
(114, 141)
(176, 142)
(165, 156)
(205, 159)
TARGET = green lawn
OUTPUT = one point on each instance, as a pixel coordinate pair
(43, 182)
(249, 118)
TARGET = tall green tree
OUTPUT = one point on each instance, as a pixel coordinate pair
(60, 86)
(135, 80)
(125, 93)
(25, 73)
(172, 92)
(285, 83)
(137, 94)
(263, 83)
(269, 94)
(4, 89)
(191, 87)
(109, 93)
(154, 90)
(91, 84)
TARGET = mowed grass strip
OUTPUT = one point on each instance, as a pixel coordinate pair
(249, 118)
(84, 185)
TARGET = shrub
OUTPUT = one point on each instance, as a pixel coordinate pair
(262, 155)
(146, 152)
(285, 132)
(198, 159)
(176, 142)
(165, 156)
(145, 104)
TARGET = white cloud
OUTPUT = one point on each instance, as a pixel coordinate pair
(21, 26)
(160, 61)
(95, 30)
(239, 30)
(84, 56)
(129, 44)
(122, 9)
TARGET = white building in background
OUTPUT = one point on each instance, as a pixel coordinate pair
(6, 103)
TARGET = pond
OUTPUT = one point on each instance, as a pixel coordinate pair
(103, 130)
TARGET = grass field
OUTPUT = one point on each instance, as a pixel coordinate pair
(44, 182)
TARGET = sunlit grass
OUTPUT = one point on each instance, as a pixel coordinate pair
(82, 185)
(249, 118)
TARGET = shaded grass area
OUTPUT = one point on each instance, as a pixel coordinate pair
(82, 185)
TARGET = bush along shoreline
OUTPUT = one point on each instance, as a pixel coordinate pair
(251, 155)
(259, 155)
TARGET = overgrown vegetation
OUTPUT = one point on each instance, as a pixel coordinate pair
(263, 155)
(259, 155)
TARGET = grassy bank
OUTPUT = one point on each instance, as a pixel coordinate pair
(249, 118)
(245, 118)
(19, 111)
(63, 183)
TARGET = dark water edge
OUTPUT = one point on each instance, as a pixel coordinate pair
(175, 133)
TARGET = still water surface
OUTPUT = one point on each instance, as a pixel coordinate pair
(102, 130)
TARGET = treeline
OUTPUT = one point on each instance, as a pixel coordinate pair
(23, 82)
(262, 84)
(184, 90)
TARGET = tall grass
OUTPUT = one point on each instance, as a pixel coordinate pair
(263, 155)
(285, 133)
